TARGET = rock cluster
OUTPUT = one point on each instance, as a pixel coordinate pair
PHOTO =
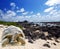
(34, 31)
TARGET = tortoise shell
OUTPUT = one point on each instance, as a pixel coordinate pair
(13, 34)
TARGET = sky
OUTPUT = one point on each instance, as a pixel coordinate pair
(30, 10)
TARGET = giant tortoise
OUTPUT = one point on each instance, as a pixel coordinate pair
(13, 35)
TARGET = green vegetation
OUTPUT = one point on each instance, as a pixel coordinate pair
(10, 23)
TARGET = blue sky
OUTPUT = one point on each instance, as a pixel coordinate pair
(31, 10)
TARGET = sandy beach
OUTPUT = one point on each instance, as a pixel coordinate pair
(38, 44)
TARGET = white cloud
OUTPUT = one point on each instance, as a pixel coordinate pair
(38, 14)
(52, 2)
(12, 4)
(21, 10)
(17, 7)
(1, 12)
(52, 12)
(31, 12)
(10, 13)
(25, 13)
(12, 16)
(54, 15)
(36, 18)
(49, 9)
(9, 16)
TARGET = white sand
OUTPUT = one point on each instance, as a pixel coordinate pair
(38, 44)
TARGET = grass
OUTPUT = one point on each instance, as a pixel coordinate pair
(10, 23)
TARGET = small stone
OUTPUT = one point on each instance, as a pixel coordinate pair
(54, 43)
(46, 45)
(47, 42)
(57, 41)
(30, 40)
